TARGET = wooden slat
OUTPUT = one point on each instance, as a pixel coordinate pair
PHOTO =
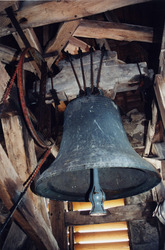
(159, 88)
(80, 206)
(115, 214)
(59, 11)
(61, 39)
(101, 237)
(116, 31)
(4, 80)
(103, 246)
(28, 217)
(115, 226)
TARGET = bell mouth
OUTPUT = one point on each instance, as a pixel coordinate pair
(115, 182)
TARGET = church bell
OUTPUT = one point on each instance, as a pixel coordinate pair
(94, 138)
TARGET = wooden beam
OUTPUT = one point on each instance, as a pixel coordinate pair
(116, 31)
(22, 155)
(60, 11)
(28, 216)
(6, 4)
(151, 129)
(159, 88)
(56, 212)
(116, 214)
(33, 41)
(4, 80)
(60, 40)
(74, 44)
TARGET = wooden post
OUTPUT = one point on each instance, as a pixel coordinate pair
(56, 212)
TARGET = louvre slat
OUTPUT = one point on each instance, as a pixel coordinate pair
(117, 226)
(100, 237)
(103, 246)
(107, 204)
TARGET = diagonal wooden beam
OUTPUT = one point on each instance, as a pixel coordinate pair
(60, 40)
(4, 80)
(60, 11)
(28, 216)
(33, 41)
(116, 31)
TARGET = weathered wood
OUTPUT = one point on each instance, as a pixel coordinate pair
(123, 213)
(28, 216)
(151, 129)
(115, 77)
(33, 41)
(162, 56)
(6, 4)
(15, 238)
(74, 44)
(22, 155)
(116, 31)
(61, 39)
(7, 54)
(56, 212)
(159, 88)
(59, 11)
(4, 80)
(12, 129)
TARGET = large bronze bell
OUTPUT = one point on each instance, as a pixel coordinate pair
(94, 138)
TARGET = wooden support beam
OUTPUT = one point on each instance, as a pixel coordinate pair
(159, 88)
(116, 214)
(74, 44)
(60, 11)
(33, 41)
(116, 31)
(6, 4)
(4, 80)
(60, 40)
(22, 155)
(56, 212)
(28, 216)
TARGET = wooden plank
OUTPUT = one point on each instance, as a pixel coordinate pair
(56, 211)
(116, 31)
(33, 41)
(4, 80)
(159, 88)
(97, 237)
(28, 216)
(116, 214)
(60, 11)
(60, 40)
(103, 246)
